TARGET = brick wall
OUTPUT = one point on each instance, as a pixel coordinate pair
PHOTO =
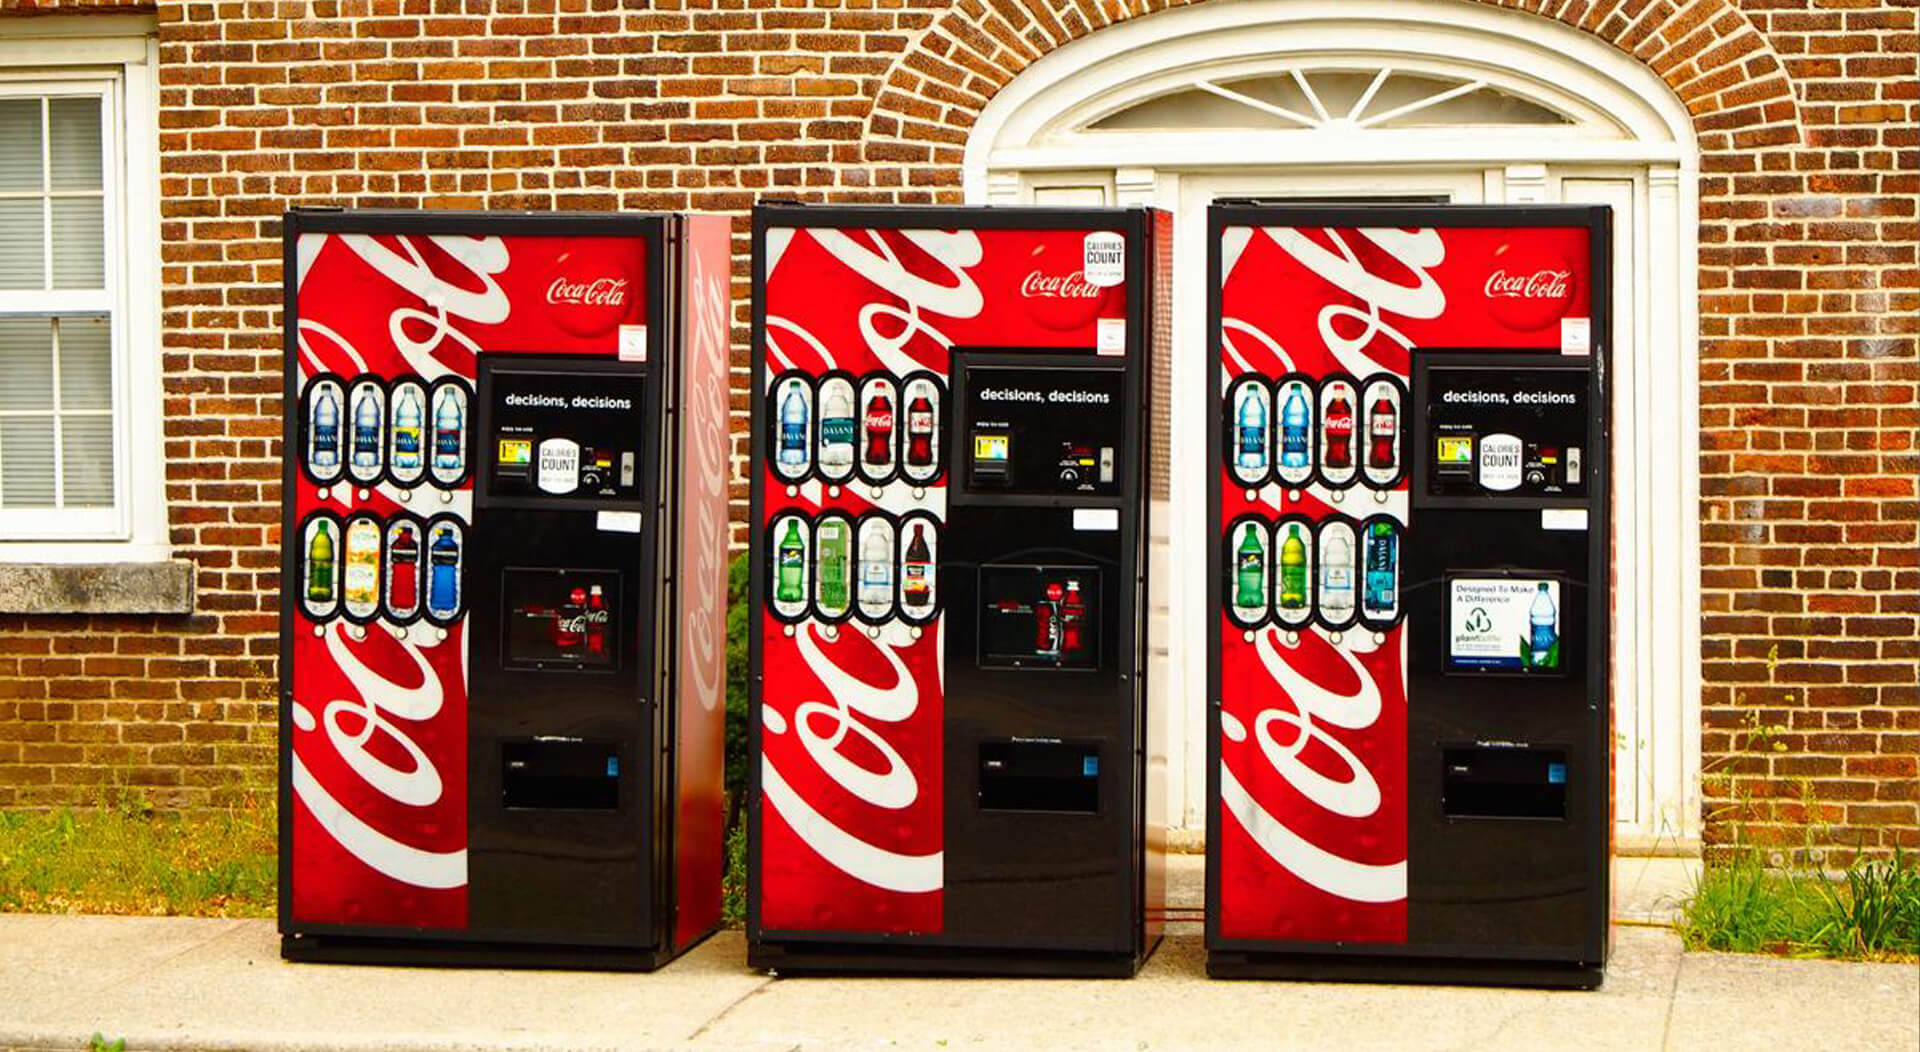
(1805, 111)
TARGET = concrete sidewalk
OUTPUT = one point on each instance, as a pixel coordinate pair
(207, 984)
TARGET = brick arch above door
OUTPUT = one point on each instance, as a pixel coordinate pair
(1736, 90)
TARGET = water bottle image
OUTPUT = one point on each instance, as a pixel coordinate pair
(1293, 429)
(836, 429)
(1545, 619)
(1252, 429)
(447, 446)
(1382, 594)
(407, 420)
(326, 431)
(793, 427)
(1336, 578)
(366, 430)
(876, 573)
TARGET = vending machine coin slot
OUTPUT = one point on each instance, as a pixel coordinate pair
(1039, 425)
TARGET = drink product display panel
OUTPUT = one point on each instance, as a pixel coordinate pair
(491, 751)
(948, 586)
(1406, 670)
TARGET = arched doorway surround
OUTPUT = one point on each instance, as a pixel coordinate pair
(1429, 99)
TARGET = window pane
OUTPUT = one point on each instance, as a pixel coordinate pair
(73, 146)
(23, 241)
(20, 144)
(26, 364)
(86, 363)
(86, 447)
(26, 462)
(78, 254)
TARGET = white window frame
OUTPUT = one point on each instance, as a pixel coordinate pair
(115, 59)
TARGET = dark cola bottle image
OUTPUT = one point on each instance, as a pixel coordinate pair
(1382, 428)
(403, 575)
(916, 582)
(1338, 425)
(878, 425)
(1046, 621)
(570, 625)
(1073, 619)
(920, 432)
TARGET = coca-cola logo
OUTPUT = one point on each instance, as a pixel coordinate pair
(589, 289)
(1063, 286)
(609, 292)
(1539, 285)
(1528, 286)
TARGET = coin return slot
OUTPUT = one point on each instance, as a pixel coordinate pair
(1039, 776)
(560, 775)
(1504, 782)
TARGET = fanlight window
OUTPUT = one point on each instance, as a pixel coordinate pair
(1335, 98)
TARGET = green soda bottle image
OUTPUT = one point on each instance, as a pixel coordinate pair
(320, 565)
(1250, 571)
(1293, 571)
(790, 565)
(833, 549)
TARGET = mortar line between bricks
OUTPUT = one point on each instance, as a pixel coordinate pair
(728, 1008)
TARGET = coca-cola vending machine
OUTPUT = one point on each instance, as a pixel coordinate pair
(956, 441)
(1408, 671)
(503, 581)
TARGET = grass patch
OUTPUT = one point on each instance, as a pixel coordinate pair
(1872, 914)
(127, 859)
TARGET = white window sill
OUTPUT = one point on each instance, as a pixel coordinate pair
(158, 587)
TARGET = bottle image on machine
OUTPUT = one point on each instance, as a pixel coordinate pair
(836, 427)
(1381, 594)
(877, 423)
(1073, 619)
(408, 419)
(1338, 427)
(403, 570)
(570, 624)
(793, 427)
(1047, 621)
(876, 573)
(1295, 422)
(1252, 429)
(1336, 578)
(1293, 570)
(1544, 639)
(361, 591)
(443, 573)
(448, 449)
(916, 578)
(366, 429)
(597, 618)
(1250, 571)
(1382, 429)
(326, 431)
(920, 432)
(833, 557)
(320, 564)
(790, 561)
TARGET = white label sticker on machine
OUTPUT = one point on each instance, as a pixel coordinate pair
(1110, 337)
(617, 521)
(1096, 518)
(633, 343)
(1503, 624)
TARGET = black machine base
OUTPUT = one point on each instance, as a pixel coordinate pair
(442, 953)
(1464, 971)
(829, 958)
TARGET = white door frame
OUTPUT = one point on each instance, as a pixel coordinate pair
(1031, 145)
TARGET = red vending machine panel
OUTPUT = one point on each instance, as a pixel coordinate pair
(949, 478)
(503, 434)
(1409, 461)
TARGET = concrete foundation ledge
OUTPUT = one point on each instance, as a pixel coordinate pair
(164, 587)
